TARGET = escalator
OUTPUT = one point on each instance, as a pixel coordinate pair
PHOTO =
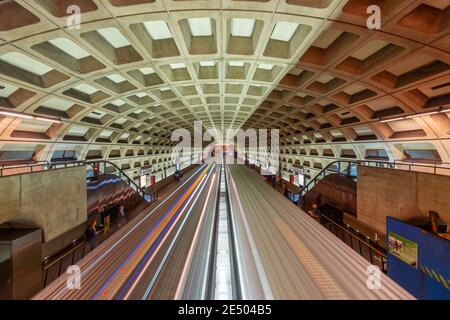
(224, 284)
(107, 188)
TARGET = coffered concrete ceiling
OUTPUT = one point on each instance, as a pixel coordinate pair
(136, 70)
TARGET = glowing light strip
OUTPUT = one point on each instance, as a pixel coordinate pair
(188, 261)
(415, 115)
(18, 115)
(141, 269)
(27, 116)
(119, 241)
(103, 292)
(224, 288)
(155, 277)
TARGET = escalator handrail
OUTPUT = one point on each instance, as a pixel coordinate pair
(78, 163)
(393, 165)
(121, 172)
(313, 181)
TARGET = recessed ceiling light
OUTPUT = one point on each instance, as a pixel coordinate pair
(158, 30)
(58, 104)
(265, 66)
(7, 90)
(117, 78)
(141, 94)
(236, 63)
(86, 88)
(207, 63)
(200, 27)
(96, 115)
(105, 134)
(164, 89)
(69, 47)
(178, 65)
(284, 31)
(114, 37)
(121, 121)
(147, 71)
(118, 102)
(78, 131)
(25, 63)
(242, 27)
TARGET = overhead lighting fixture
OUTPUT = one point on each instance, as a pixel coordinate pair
(85, 88)
(47, 120)
(6, 90)
(236, 63)
(16, 114)
(242, 27)
(118, 102)
(69, 47)
(200, 27)
(26, 63)
(114, 37)
(158, 30)
(265, 66)
(207, 63)
(116, 78)
(28, 116)
(284, 31)
(178, 65)
(423, 114)
(147, 71)
(414, 115)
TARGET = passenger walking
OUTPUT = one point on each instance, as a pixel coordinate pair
(121, 216)
(91, 234)
(122, 212)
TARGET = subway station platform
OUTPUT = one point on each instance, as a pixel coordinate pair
(224, 150)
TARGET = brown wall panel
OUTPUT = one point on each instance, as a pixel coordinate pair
(54, 200)
(401, 194)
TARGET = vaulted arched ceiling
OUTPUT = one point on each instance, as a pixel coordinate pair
(136, 70)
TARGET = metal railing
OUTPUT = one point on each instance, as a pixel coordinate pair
(53, 269)
(442, 168)
(23, 167)
(357, 242)
(102, 164)
(345, 166)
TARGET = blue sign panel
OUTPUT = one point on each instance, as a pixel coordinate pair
(400, 240)
(418, 260)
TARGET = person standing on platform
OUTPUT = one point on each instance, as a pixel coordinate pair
(121, 216)
(122, 212)
(91, 234)
(315, 211)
